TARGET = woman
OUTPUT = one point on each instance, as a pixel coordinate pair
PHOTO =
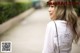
(64, 24)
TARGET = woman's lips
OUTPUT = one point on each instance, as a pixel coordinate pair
(50, 13)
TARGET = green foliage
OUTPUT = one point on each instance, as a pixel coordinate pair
(9, 10)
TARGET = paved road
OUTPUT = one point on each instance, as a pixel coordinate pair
(28, 35)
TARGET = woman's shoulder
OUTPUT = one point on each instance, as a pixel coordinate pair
(61, 23)
(50, 23)
(56, 21)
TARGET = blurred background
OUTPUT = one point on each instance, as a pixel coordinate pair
(23, 22)
(8, 7)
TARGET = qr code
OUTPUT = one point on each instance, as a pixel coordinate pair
(6, 46)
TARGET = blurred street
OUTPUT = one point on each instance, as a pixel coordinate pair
(28, 35)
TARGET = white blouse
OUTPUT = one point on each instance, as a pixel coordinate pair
(65, 36)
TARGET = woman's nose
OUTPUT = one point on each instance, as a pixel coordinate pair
(49, 9)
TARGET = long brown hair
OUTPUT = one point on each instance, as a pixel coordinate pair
(67, 13)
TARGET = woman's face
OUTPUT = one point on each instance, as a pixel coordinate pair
(52, 11)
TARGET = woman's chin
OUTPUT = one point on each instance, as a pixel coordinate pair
(52, 18)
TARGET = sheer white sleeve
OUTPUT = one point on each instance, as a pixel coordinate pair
(48, 41)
